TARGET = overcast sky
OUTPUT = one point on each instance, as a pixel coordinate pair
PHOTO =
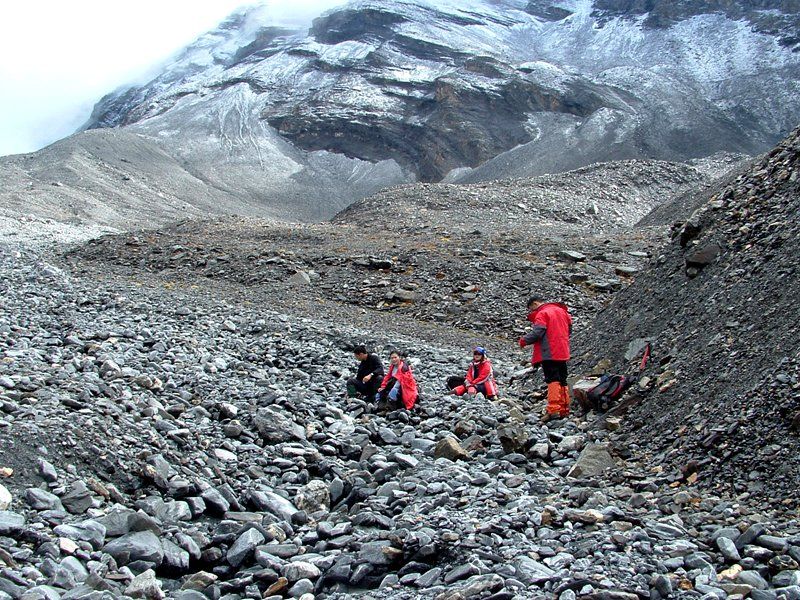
(58, 57)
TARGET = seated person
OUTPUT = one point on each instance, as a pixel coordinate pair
(369, 375)
(480, 377)
(398, 384)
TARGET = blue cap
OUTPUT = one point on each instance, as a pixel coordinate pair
(479, 350)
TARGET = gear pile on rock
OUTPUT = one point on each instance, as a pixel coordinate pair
(166, 434)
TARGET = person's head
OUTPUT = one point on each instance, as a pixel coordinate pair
(395, 357)
(535, 302)
(478, 353)
(361, 352)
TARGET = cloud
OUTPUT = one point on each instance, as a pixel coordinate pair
(298, 12)
(59, 58)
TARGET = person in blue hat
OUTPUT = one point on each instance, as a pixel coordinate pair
(480, 376)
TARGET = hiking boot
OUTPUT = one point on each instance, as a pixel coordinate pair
(549, 416)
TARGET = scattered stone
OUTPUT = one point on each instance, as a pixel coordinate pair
(300, 278)
(142, 545)
(78, 499)
(728, 549)
(244, 547)
(47, 471)
(450, 449)
(594, 460)
(145, 585)
(11, 523)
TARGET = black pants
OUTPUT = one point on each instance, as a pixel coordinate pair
(368, 389)
(555, 370)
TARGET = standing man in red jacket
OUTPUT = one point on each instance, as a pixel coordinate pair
(552, 326)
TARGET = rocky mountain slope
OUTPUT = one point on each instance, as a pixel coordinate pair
(719, 305)
(377, 93)
(127, 181)
(463, 255)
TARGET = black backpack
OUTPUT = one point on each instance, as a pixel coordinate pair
(611, 387)
(455, 381)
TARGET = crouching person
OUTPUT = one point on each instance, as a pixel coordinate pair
(480, 377)
(369, 375)
(398, 385)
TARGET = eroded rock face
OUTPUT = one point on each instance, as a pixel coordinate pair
(777, 17)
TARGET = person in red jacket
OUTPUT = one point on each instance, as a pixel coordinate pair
(552, 326)
(480, 377)
(398, 384)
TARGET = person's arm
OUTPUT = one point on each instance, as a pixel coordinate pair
(377, 367)
(386, 379)
(404, 374)
(368, 370)
(469, 377)
(533, 336)
(536, 333)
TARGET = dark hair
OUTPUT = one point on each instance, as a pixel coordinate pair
(360, 349)
(534, 298)
(396, 351)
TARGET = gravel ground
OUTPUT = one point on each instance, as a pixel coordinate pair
(173, 424)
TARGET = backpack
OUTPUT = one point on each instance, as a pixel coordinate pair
(609, 389)
(612, 387)
(455, 381)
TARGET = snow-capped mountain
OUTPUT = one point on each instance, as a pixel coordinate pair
(379, 92)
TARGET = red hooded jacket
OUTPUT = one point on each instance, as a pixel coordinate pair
(408, 385)
(480, 372)
(552, 326)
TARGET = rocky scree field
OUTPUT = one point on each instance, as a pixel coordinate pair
(449, 255)
(173, 422)
(719, 304)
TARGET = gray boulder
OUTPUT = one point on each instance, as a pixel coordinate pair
(593, 461)
(142, 545)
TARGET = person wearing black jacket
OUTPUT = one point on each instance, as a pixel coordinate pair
(369, 376)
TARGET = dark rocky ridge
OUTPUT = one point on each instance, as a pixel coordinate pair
(606, 195)
(775, 17)
(719, 305)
